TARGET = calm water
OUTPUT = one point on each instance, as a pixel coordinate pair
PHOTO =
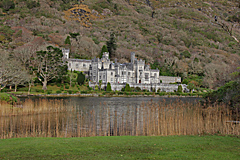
(116, 102)
(110, 115)
(114, 106)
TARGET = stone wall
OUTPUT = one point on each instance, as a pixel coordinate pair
(150, 87)
(168, 79)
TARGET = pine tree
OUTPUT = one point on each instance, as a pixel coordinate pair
(127, 88)
(104, 49)
(109, 88)
(67, 40)
(49, 65)
(80, 78)
(179, 90)
(111, 45)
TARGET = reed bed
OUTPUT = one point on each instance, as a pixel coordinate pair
(55, 118)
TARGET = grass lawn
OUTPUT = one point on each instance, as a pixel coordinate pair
(53, 88)
(125, 147)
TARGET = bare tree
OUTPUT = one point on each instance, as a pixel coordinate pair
(11, 72)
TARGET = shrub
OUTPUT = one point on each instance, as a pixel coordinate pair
(95, 40)
(58, 91)
(75, 91)
(74, 35)
(39, 90)
(8, 98)
(127, 88)
(32, 4)
(23, 89)
(70, 91)
(66, 86)
(186, 54)
(7, 5)
(83, 92)
(120, 93)
(73, 84)
(58, 84)
(138, 89)
(185, 81)
(49, 91)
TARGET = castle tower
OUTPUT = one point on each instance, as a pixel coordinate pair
(105, 55)
(65, 52)
(132, 57)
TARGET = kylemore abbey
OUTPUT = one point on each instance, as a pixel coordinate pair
(136, 73)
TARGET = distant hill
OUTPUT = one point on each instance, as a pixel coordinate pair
(180, 38)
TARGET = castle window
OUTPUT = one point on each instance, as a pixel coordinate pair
(69, 64)
(84, 65)
(129, 73)
(111, 79)
(155, 75)
(111, 73)
(100, 77)
(146, 77)
(76, 65)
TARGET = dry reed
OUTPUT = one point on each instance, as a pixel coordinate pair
(52, 118)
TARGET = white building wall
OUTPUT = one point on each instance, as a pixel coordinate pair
(169, 79)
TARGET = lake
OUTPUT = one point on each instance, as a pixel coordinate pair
(113, 116)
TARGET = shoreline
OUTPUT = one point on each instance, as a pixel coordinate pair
(100, 95)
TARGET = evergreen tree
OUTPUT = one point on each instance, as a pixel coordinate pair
(49, 65)
(127, 88)
(180, 89)
(100, 85)
(109, 88)
(111, 45)
(191, 86)
(104, 49)
(67, 40)
(80, 78)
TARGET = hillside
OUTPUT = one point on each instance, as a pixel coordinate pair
(181, 37)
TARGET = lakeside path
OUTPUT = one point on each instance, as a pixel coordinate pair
(122, 147)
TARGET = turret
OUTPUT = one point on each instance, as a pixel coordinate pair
(132, 57)
(65, 53)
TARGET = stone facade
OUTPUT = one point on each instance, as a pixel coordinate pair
(136, 73)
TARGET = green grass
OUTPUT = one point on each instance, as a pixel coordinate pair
(7, 97)
(53, 88)
(125, 147)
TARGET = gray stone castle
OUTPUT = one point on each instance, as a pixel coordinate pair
(136, 73)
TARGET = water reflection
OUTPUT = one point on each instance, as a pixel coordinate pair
(81, 117)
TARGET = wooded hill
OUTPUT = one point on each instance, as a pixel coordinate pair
(181, 38)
